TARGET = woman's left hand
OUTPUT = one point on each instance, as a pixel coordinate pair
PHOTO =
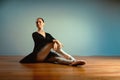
(57, 44)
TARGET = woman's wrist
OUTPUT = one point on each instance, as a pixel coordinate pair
(54, 40)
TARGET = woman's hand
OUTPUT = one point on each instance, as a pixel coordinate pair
(57, 44)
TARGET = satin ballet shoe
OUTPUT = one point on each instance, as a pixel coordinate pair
(78, 62)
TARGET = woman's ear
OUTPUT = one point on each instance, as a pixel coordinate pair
(43, 23)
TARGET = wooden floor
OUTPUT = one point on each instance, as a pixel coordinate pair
(97, 68)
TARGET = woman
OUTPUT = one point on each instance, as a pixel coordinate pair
(48, 49)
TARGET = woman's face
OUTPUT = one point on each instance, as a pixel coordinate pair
(39, 23)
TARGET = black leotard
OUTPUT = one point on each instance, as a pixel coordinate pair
(39, 43)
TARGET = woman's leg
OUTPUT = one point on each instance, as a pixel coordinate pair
(61, 60)
(41, 56)
(68, 59)
(65, 55)
(44, 52)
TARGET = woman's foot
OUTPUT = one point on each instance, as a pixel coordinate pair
(78, 62)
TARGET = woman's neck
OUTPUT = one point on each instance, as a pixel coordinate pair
(41, 30)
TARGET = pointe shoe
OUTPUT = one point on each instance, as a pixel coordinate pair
(78, 62)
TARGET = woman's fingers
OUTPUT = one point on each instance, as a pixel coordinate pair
(59, 44)
(55, 46)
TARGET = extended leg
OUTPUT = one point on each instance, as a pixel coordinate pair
(68, 59)
(67, 56)
(61, 60)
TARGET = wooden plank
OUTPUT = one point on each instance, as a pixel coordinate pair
(97, 68)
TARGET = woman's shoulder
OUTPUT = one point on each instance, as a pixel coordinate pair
(48, 33)
(35, 33)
